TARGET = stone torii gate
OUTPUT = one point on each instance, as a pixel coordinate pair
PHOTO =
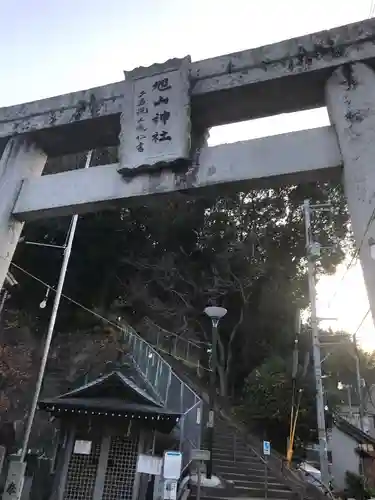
(332, 68)
(159, 117)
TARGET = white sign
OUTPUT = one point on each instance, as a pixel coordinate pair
(149, 464)
(82, 447)
(172, 465)
(155, 122)
(266, 448)
(170, 490)
(200, 455)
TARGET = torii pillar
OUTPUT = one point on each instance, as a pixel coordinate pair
(350, 98)
(21, 159)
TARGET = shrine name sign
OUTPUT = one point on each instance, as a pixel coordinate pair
(155, 118)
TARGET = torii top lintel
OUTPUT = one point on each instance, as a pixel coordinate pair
(225, 89)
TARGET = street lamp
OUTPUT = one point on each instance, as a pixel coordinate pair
(215, 314)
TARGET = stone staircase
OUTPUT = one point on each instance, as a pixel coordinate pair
(237, 465)
(237, 456)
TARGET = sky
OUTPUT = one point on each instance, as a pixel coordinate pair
(51, 47)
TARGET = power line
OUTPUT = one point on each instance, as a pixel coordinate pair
(106, 320)
(362, 321)
(356, 254)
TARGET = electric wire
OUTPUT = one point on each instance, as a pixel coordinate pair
(108, 321)
(355, 256)
(361, 323)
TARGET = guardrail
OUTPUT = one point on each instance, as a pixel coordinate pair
(189, 352)
(173, 392)
(315, 481)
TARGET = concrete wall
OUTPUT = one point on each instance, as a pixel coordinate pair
(344, 457)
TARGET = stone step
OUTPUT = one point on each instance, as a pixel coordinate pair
(247, 480)
(226, 434)
(234, 455)
(224, 446)
(247, 462)
(255, 475)
(258, 493)
(241, 467)
(237, 469)
(274, 485)
(239, 449)
(237, 458)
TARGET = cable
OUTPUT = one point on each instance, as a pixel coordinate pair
(338, 288)
(354, 258)
(106, 320)
(362, 321)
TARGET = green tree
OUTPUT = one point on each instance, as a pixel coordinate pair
(167, 261)
(161, 264)
(267, 400)
(339, 366)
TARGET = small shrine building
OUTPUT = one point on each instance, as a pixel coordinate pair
(104, 426)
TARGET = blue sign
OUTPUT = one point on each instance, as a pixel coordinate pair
(266, 448)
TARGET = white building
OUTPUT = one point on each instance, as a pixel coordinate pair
(349, 446)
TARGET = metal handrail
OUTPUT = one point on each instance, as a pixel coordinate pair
(322, 485)
(177, 342)
(175, 335)
(160, 376)
(293, 477)
(138, 337)
(192, 407)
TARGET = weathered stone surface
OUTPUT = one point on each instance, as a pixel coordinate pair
(15, 481)
(20, 160)
(294, 157)
(351, 105)
(155, 122)
(234, 87)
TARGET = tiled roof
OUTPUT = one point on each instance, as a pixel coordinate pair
(352, 431)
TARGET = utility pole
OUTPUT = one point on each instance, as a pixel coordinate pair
(311, 255)
(359, 385)
(349, 391)
(17, 469)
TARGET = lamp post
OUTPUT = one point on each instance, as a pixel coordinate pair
(215, 314)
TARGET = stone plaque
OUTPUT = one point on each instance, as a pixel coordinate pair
(155, 120)
(15, 480)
